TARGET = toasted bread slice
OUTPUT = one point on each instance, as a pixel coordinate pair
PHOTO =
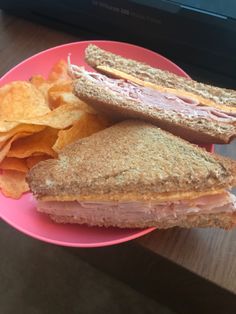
(97, 57)
(129, 161)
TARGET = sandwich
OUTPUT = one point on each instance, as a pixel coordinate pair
(120, 100)
(195, 111)
(135, 175)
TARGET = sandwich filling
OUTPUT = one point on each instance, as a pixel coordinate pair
(122, 213)
(164, 101)
(180, 91)
(146, 97)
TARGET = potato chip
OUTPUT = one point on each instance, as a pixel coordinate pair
(37, 80)
(60, 118)
(7, 145)
(61, 86)
(56, 100)
(21, 100)
(44, 88)
(11, 163)
(13, 183)
(59, 71)
(55, 92)
(35, 144)
(62, 93)
(2, 144)
(29, 128)
(69, 98)
(33, 160)
(87, 125)
(48, 87)
(38, 119)
(6, 126)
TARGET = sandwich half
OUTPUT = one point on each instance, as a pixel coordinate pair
(135, 175)
(211, 99)
(121, 99)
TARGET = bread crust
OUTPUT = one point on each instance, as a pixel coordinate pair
(220, 220)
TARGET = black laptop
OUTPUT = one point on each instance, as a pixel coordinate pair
(198, 32)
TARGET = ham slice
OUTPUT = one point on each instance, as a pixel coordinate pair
(134, 212)
(164, 101)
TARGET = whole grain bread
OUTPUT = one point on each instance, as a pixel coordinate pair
(199, 220)
(96, 56)
(118, 106)
(131, 160)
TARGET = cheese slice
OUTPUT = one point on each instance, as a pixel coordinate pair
(148, 196)
(177, 92)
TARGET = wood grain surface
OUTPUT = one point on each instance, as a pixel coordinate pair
(178, 260)
(209, 253)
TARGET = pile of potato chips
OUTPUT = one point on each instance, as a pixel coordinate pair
(37, 119)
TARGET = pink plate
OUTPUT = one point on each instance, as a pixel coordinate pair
(21, 214)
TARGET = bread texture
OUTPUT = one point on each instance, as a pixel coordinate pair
(118, 106)
(131, 160)
(96, 56)
(204, 220)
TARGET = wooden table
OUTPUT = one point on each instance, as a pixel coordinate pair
(194, 271)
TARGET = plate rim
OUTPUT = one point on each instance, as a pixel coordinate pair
(79, 244)
(74, 43)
